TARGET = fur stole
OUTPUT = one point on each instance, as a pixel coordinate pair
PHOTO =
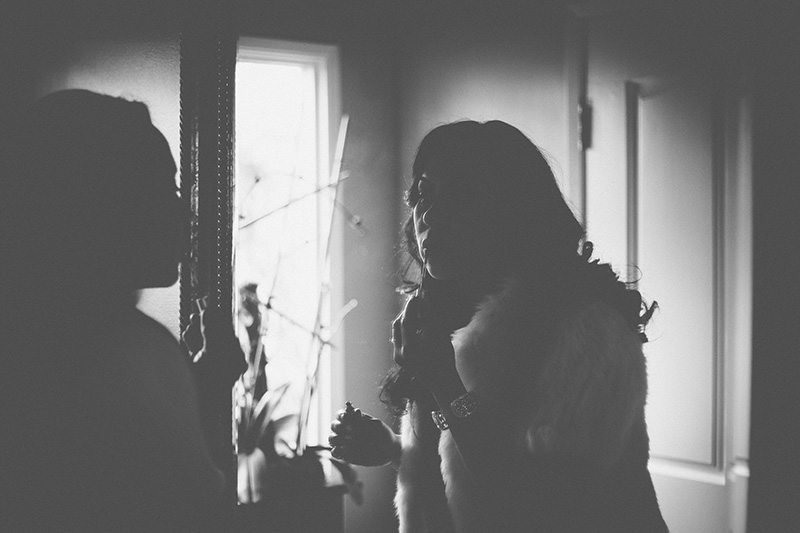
(582, 392)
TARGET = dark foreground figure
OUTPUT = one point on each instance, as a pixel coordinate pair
(100, 428)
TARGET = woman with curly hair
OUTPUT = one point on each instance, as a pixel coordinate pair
(519, 369)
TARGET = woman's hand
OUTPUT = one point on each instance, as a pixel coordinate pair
(420, 347)
(215, 350)
(361, 439)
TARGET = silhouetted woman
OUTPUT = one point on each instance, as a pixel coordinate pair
(100, 428)
(519, 366)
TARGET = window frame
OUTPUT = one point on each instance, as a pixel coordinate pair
(324, 60)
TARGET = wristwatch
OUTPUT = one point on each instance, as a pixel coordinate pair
(461, 407)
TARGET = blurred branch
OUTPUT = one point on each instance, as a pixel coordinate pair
(252, 221)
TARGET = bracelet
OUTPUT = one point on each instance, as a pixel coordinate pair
(440, 420)
(461, 407)
(464, 405)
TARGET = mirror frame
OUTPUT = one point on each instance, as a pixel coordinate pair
(208, 44)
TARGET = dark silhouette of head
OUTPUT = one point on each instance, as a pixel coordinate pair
(89, 203)
(519, 199)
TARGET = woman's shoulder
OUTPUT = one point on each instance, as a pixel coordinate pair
(141, 327)
(527, 306)
(593, 344)
(593, 386)
(596, 322)
(150, 357)
(138, 337)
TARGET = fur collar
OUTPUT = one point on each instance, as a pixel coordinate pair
(483, 349)
(587, 392)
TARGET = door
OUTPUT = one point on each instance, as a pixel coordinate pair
(667, 203)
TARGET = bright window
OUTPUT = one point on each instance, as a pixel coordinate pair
(286, 119)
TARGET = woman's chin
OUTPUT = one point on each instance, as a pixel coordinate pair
(439, 271)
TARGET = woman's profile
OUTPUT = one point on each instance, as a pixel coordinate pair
(518, 370)
(101, 430)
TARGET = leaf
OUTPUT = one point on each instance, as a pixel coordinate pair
(262, 413)
(267, 403)
(254, 424)
(268, 436)
(280, 423)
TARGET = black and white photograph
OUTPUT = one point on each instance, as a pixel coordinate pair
(399, 266)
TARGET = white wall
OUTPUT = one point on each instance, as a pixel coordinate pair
(368, 265)
(511, 72)
(143, 70)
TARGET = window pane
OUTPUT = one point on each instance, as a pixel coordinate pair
(283, 220)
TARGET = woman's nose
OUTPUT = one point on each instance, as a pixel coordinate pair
(427, 218)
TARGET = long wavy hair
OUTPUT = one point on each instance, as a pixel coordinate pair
(540, 231)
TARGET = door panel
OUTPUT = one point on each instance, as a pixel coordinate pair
(666, 201)
(675, 251)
